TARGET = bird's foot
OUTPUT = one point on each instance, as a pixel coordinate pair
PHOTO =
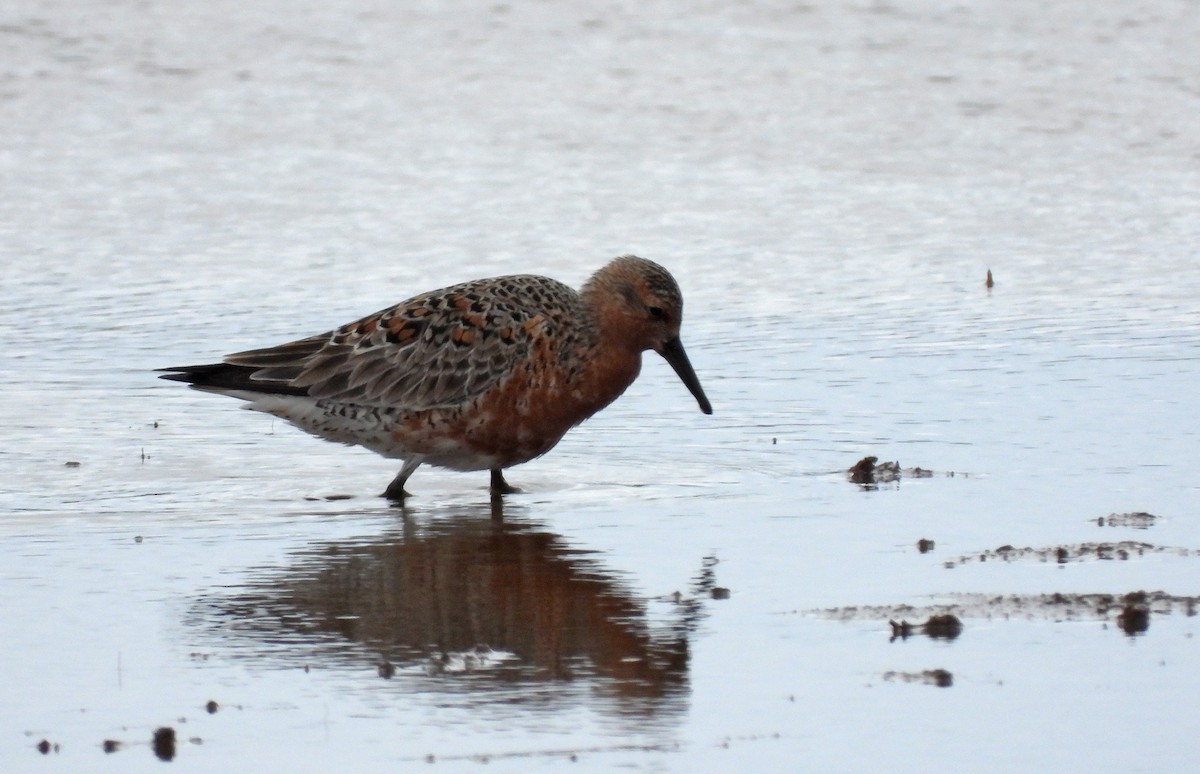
(500, 486)
(396, 494)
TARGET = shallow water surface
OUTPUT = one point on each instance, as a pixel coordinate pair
(830, 184)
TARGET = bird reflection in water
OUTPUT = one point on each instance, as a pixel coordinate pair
(494, 601)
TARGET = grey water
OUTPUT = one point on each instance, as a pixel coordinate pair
(829, 182)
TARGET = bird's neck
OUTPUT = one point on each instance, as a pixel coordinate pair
(612, 360)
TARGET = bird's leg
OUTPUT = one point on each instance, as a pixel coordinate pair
(499, 485)
(395, 490)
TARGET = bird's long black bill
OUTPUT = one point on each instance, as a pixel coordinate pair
(673, 353)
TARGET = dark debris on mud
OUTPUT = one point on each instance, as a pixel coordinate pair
(1131, 612)
(1136, 520)
(939, 677)
(164, 742)
(942, 626)
(1117, 550)
(869, 473)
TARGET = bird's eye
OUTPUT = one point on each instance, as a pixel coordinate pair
(657, 311)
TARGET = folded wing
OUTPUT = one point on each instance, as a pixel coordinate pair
(437, 349)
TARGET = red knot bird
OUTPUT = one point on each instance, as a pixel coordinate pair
(478, 376)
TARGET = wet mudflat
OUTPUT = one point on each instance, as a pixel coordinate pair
(187, 582)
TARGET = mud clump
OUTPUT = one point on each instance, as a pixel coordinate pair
(164, 743)
(1134, 618)
(863, 471)
(943, 627)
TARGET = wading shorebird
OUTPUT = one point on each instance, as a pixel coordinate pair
(479, 376)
